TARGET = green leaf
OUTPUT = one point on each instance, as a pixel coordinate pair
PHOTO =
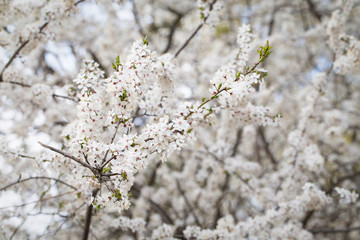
(124, 175)
(105, 170)
(117, 194)
(117, 118)
(146, 40)
(124, 95)
(97, 207)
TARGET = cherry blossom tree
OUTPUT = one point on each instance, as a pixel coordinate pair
(208, 119)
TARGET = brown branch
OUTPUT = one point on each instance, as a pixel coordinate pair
(89, 213)
(16, 83)
(39, 177)
(18, 227)
(313, 10)
(64, 97)
(112, 140)
(12, 58)
(153, 175)
(237, 142)
(96, 59)
(84, 164)
(137, 19)
(157, 208)
(266, 146)
(173, 28)
(80, 1)
(37, 201)
(218, 210)
(272, 21)
(329, 230)
(164, 216)
(187, 202)
(109, 160)
(329, 191)
(195, 32)
(17, 51)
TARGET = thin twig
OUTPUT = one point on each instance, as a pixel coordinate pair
(80, 1)
(187, 202)
(39, 177)
(237, 142)
(137, 19)
(69, 156)
(64, 97)
(109, 160)
(313, 11)
(266, 146)
(173, 28)
(157, 208)
(112, 140)
(12, 58)
(37, 201)
(165, 217)
(96, 59)
(195, 32)
(15, 231)
(17, 51)
(329, 230)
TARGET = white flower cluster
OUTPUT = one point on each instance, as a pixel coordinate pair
(88, 77)
(238, 94)
(245, 168)
(143, 83)
(346, 196)
(346, 47)
(133, 225)
(244, 38)
(281, 221)
(42, 94)
(349, 62)
(164, 232)
(110, 104)
(210, 10)
(225, 229)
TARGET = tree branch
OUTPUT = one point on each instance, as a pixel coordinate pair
(313, 10)
(137, 19)
(195, 32)
(88, 217)
(17, 51)
(187, 202)
(163, 214)
(266, 146)
(329, 230)
(40, 177)
(37, 201)
(84, 164)
(173, 28)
